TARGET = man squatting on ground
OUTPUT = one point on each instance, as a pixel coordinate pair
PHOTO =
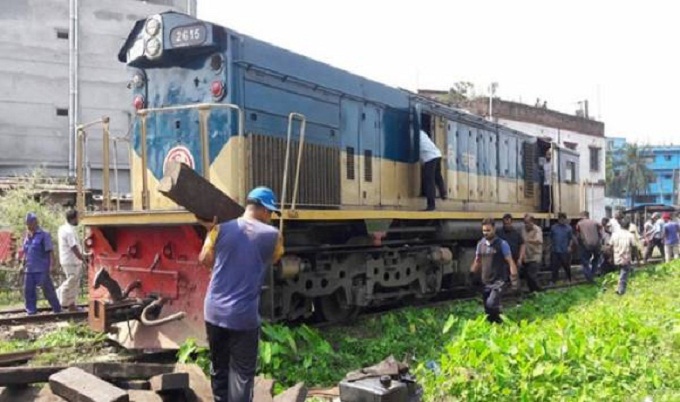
(239, 252)
(493, 256)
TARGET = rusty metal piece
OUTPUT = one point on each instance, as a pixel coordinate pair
(130, 287)
(102, 278)
(102, 315)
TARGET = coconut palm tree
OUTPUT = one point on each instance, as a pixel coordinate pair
(633, 174)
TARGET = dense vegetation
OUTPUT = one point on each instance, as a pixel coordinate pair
(584, 343)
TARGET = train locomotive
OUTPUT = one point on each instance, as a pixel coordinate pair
(233, 108)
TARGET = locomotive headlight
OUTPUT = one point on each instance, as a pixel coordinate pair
(152, 48)
(152, 26)
(137, 80)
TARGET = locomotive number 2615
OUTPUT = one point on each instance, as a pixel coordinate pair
(190, 35)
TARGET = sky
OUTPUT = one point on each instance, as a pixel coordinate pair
(622, 56)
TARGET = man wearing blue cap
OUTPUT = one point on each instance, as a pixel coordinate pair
(239, 252)
(37, 261)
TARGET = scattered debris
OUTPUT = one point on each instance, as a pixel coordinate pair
(18, 333)
(388, 380)
(107, 382)
(297, 393)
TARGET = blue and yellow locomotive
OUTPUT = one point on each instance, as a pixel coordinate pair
(231, 107)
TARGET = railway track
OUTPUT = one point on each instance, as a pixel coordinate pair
(18, 317)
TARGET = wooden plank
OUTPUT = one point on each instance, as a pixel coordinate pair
(129, 371)
(188, 189)
(12, 376)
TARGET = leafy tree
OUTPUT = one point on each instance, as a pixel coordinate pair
(461, 92)
(613, 182)
(633, 174)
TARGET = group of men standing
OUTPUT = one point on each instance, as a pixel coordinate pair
(508, 254)
(662, 232)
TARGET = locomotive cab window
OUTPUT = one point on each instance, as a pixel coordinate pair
(426, 123)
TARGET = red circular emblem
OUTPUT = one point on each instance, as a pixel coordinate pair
(179, 153)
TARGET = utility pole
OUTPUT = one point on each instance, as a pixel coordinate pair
(492, 92)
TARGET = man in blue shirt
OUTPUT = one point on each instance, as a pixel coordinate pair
(493, 256)
(561, 235)
(37, 249)
(671, 238)
(240, 252)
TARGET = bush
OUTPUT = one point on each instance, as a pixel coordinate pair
(26, 197)
(615, 347)
(583, 343)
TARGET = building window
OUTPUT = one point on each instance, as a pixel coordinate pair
(645, 199)
(667, 157)
(570, 145)
(571, 172)
(668, 176)
(62, 111)
(595, 159)
(62, 33)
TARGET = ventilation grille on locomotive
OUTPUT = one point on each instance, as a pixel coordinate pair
(319, 183)
(528, 160)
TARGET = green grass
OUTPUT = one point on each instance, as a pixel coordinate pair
(583, 344)
(70, 344)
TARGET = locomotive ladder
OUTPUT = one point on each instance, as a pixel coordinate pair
(204, 112)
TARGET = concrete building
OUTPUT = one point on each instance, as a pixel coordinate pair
(59, 69)
(664, 162)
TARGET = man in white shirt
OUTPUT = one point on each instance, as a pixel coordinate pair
(431, 158)
(622, 243)
(71, 260)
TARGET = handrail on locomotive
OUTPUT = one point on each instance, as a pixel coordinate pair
(204, 111)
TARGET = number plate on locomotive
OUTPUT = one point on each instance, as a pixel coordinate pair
(189, 35)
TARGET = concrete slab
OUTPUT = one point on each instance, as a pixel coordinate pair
(79, 385)
(169, 382)
(264, 389)
(144, 396)
(201, 390)
(46, 395)
(18, 333)
(297, 393)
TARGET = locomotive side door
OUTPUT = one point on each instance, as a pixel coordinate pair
(350, 174)
(370, 155)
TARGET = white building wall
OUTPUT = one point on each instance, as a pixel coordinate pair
(35, 83)
(594, 180)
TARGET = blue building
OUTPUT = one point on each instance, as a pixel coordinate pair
(664, 162)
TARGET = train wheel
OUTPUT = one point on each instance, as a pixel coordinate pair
(334, 307)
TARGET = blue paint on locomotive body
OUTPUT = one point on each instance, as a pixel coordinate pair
(342, 109)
